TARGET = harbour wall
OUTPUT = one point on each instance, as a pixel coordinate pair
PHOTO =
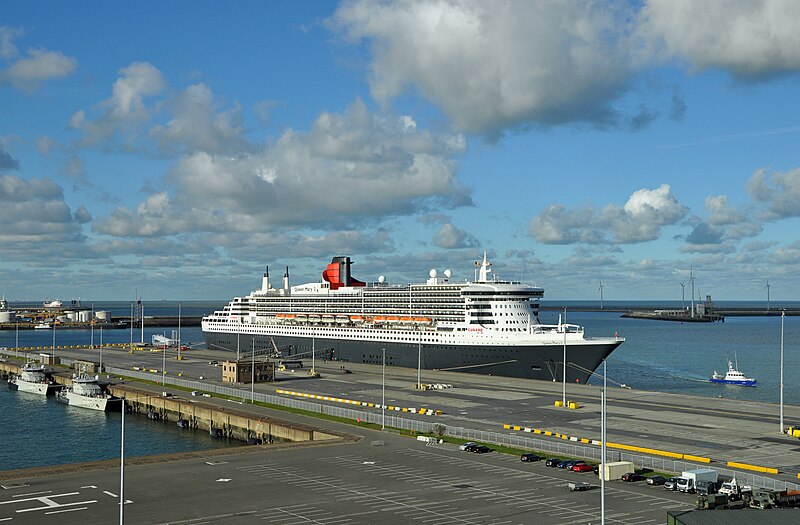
(222, 421)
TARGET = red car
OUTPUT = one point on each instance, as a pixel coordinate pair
(582, 467)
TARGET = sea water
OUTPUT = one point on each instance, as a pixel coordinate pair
(669, 356)
(662, 356)
(39, 431)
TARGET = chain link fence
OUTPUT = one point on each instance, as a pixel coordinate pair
(514, 440)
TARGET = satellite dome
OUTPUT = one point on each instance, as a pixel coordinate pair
(381, 279)
(448, 273)
(433, 273)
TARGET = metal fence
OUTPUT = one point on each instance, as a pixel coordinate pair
(515, 440)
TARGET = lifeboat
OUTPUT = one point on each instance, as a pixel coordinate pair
(342, 319)
(422, 320)
(393, 319)
(301, 318)
(313, 318)
(407, 320)
(380, 319)
(328, 318)
(357, 319)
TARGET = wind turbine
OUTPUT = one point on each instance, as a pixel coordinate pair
(767, 287)
(601, 294)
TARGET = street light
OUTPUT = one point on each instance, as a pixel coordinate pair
(383, 390)
(122, 466)
(603, 449)
(253, 374)
(564, 386)
(419, 362)
(783, 316)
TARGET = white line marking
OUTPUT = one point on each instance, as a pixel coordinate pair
(31, 494)
(66, 510)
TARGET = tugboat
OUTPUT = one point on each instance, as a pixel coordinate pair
(732, 377)
(32, 379)
(85, 392)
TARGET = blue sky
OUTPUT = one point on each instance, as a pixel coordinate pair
(177, 148)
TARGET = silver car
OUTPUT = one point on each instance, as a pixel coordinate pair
(671, 483)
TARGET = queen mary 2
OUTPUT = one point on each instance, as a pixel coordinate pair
(485, 326)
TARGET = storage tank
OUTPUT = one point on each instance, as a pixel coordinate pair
(84, 316)
(103, 315)
(72, 315)
(7, 316)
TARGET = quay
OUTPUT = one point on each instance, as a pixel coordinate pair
(383, 474)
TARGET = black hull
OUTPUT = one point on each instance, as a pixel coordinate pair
(543, 362)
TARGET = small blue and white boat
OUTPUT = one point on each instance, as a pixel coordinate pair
(732, 377)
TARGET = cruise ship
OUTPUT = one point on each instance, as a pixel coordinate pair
(486, 326)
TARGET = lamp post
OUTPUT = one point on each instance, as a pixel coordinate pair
(419, 362)
(179, 331)
(603, 449)
(101, 349)
(164, 364)
(383, 390)
(253, 374)
(783, 316)
(564, 385)
(122, 466)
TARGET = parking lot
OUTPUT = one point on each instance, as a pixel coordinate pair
(383, 478)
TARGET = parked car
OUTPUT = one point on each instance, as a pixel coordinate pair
(480, 449)
(571, 463)
(671, 483)
(655, 480)
(468, 445)
(553, 462)
(530, 457)
(632, 476)
(582, 467)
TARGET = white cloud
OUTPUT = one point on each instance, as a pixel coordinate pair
(746, 38)
(720, 214)
(779, 191)
(450, 236)
(137, 81)
(198, 126)
(639, 220)
(7, 48)
(352, 167)
(124, 112)
(499, 65)
(32, 211)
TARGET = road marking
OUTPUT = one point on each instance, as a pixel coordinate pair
(66, 510)
(47, 501)
(110, 494)
(31, 494)
(224, 480)
(89, 487)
